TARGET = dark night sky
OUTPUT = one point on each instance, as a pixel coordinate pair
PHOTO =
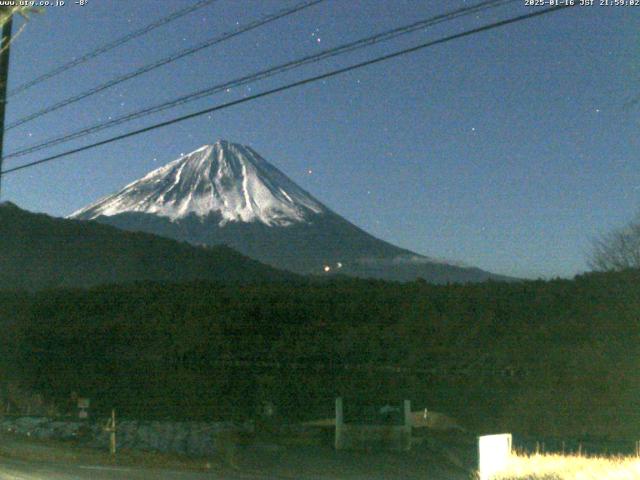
(508, 150)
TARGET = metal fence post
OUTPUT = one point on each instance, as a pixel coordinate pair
(339, 439)
(407, 425)
(111, 428)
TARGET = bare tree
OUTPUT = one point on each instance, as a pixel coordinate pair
(617, 250)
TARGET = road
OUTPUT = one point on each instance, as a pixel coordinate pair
(20, 470)
(258, 463)
(11, 469)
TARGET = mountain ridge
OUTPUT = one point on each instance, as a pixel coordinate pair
(38, 251)
(227, 193)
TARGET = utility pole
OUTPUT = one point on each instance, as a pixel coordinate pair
(4, 76)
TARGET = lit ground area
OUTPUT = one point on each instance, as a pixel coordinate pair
(571, 467)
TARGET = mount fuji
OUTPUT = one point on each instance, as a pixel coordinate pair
(227, 193)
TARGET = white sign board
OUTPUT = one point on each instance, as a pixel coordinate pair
(493, 454)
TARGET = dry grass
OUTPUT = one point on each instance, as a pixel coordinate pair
(570, 467)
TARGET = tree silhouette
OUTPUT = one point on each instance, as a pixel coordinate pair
(617, 250)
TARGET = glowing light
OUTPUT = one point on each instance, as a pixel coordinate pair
(327, 268)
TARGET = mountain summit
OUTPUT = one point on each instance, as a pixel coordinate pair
(225, 178)
(228, 194)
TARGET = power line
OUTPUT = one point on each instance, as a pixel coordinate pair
(164, 61)
(110, 46)
(260, 75)
(289, 86)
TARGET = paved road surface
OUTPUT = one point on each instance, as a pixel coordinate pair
(21, 470)
(301, 463)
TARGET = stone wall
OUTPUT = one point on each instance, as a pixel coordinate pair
(184, 438)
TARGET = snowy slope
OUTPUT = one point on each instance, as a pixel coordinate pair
(225, 178)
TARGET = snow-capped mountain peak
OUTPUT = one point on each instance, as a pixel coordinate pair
(226, 193)
(225, 178)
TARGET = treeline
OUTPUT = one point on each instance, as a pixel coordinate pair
(539, 357)
(40, 252)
